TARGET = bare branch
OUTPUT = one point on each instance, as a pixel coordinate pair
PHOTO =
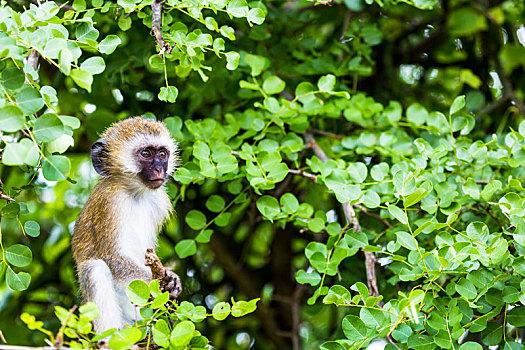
(156, 19)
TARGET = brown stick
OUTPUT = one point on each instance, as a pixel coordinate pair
(303, 173)
(351, 218)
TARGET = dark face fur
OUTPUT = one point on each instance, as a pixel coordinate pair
(153, 162)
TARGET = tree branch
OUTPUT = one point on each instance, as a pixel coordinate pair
(351, 218)
(156, 19)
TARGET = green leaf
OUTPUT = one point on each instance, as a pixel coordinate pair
(415, 197)
(232, 59)
(17, 281)
(89, 310)
(268, 206)
(379, 171)
(221, 310)
(48, 128)
(82, 78)
(29, 99)
(215, 203)
(466, 288)
(13, 78)
(211, 23)
(93, 65)
(11, 118)
(227, 32)
(204, 236)
(457, 105)
(493, 334)
(109, 44)
(168, 94)
(273, 85)
(32, 228)
(195, 219)
(312, 278)
(242, 308)
(406, 240)
(256, 15)
(86, 31)
(466, 21)
(182, 333)
(161, 333)
(138, 292)
(183, 176)
(326, 83)
(289, 203)
(56, 168)
(470, 346)
(185, 248)
(471, 188)
(417, 114)
(316, 225)
(19, 255)
(354, 329)
(398, 213)
(125, 338)
(237, 8)
(516, 316)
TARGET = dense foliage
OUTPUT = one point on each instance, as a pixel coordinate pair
(356, 165)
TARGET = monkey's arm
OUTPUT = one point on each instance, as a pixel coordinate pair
(125, 270)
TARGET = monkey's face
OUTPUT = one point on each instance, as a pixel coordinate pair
(153, 164)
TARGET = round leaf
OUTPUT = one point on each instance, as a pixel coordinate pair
(48, 128)
(138, 292)
(32, 228)
(19, 255)
(56, 168)
(185, 248)
(11, 118)
(182, 333)
(195, 219)
(17, 281)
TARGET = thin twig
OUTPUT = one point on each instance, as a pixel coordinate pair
(374, 215)
(487, 209)
(345, 24)
(326, 133)
(303, 173)
(7, 198)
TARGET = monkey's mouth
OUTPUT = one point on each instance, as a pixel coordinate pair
(154, 183)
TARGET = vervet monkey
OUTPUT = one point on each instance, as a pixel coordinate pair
(122, 216)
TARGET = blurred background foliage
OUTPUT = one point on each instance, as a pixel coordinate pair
(427, 52)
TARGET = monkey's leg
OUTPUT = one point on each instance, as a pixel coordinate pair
(98, 286)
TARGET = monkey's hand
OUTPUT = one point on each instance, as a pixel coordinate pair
(171, 283)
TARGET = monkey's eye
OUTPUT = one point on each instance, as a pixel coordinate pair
(145, 153)
(162, 154)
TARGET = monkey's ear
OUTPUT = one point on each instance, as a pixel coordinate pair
(99, 155)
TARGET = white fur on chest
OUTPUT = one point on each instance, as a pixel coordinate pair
(142, 217)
